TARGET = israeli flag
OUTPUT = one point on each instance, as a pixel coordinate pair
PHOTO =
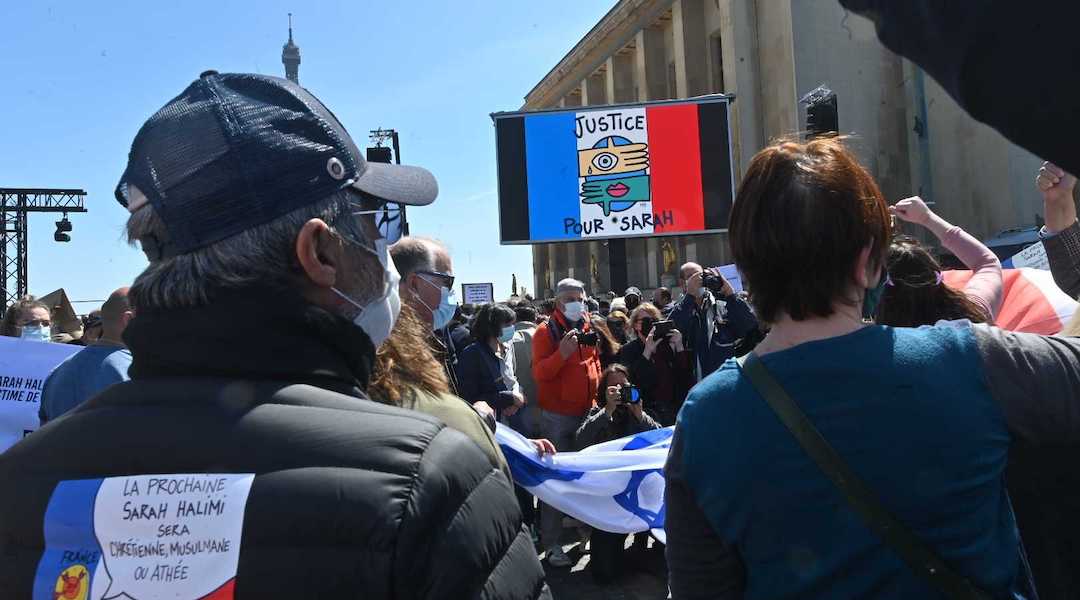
(616, 486)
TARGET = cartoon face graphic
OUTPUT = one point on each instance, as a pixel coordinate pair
(73, 584)
(615, 172)
(611, 155)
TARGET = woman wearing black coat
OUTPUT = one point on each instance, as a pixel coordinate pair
(485, 369)
(660, 367)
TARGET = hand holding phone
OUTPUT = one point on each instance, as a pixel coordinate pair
(662, 329)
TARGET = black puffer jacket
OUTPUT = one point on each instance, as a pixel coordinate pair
(351, 499)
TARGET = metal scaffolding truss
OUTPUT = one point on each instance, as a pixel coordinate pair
(15, 204)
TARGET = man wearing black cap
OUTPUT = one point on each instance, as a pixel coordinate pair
(632, 297)
(268, 290)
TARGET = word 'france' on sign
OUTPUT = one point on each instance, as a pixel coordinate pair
(144, 536)
(24, 366)
(658, 168)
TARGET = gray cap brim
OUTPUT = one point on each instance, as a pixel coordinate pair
(414, 186)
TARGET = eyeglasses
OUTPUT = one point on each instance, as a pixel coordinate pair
(444, 276)
(387, 218)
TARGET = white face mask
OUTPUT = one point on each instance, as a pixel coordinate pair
(36, 333)
(573, 311)
(377, 318)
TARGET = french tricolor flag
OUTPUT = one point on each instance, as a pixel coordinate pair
(1031, 301)
(618, 171)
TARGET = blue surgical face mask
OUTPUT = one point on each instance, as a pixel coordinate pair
(36, 333)
(507, 334)
(573, 311)
(445, 311)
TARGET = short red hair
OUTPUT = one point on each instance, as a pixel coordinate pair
(803, 214)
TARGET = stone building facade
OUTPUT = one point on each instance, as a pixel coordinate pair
(768, 53)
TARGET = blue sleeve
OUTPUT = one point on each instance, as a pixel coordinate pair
(683, 315)
(461, 336)
(468, 386)
(57, 395)
(740, 318)
(49, 395)
(700, 564)
(114, 369)
(473, 385)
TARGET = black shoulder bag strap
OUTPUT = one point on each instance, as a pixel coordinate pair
(919, 557)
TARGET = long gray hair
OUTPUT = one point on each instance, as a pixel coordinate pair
(264, 255)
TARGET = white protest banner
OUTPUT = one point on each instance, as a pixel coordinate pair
(143, 536)
(24, 365)
(1033, 257)
(477, 293)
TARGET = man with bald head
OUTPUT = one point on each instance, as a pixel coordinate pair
(94, 368)
(711, 316)
(427, 286)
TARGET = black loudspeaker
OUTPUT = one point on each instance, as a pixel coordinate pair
(379, 154)
(822, 117)
(63, 227)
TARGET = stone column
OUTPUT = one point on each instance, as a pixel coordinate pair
(691, 48)
(560, 262)
(540, 269)
(597, 90)
(740, 69)
(650, 72)
(620, 78)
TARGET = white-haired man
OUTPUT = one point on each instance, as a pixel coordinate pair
(566, 367)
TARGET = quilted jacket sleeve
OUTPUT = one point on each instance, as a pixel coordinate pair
(461, 535)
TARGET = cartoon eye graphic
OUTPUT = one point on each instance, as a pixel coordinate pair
(605, 161)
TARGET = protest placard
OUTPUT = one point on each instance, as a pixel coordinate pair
(635, 170)
(477, 293)
(144, 536)
(1032, 257)
(24, 365)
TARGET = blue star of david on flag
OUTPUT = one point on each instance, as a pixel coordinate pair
(616, 486)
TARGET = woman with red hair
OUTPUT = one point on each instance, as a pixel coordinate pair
(845, 459)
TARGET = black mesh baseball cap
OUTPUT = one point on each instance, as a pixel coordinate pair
(237, 150)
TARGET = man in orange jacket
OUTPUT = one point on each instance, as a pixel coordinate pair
(566, 368)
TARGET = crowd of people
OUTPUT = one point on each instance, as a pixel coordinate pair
(569, 371)
(848, 426)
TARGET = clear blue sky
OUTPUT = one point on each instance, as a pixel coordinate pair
(81, 77)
